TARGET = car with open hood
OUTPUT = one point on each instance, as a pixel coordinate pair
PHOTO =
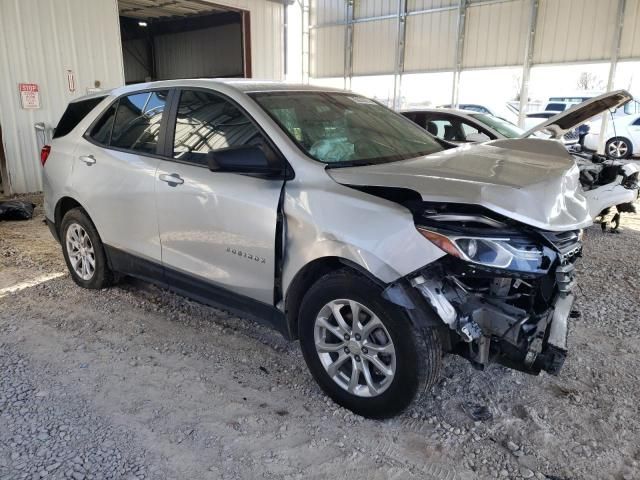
(332, 218)
(606, 182)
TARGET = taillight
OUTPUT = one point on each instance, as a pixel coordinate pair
(44, 154)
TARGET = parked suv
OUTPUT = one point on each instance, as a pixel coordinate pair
(324, 213)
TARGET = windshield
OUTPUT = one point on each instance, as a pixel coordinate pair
(346, 129)
(503, 127)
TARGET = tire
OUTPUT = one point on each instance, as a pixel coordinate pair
(618, 148)
(77, 229)
(416, 355)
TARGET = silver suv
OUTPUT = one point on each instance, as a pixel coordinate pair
(324, 213)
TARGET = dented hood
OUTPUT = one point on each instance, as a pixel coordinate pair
(560, 124)
(533, 181)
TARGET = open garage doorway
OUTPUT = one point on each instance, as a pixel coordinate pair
(164, 39)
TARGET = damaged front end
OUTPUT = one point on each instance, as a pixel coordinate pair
(504, 291)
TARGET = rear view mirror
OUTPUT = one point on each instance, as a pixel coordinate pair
(250, 159)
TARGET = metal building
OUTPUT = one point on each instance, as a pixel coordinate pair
(66, 48)
(350, 38)
(69, 47)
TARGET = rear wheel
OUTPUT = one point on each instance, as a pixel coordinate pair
(83, 251)
(362, 350)
(618, 147)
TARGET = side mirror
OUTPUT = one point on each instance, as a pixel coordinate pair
(477, 137)
(249, 159)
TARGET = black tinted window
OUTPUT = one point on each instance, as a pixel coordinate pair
(137, 122)
(74, 114)
(101, 131)
(637, 122)
(207, 122)
(556, 107)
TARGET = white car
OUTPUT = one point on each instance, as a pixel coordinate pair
(459, 126)
(622, 138)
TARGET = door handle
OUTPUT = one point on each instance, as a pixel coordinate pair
(172, 179)
(88, 159)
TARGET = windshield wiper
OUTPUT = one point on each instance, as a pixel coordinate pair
(350, 163)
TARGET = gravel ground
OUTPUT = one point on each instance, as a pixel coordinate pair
(136, 382)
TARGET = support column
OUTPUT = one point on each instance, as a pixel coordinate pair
(615, 53)
(399, 64)
(306, 40)
(348, 45)
(462, 14)
(528, 59)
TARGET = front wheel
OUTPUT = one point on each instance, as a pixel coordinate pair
(362, 350)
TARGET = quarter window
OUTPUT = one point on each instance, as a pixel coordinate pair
(137, 121)
(208, 122)
(101, 131)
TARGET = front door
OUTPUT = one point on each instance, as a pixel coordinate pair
(219, 228)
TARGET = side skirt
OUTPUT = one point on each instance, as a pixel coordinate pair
(196, 288)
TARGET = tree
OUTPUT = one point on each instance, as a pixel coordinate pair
(590, 81)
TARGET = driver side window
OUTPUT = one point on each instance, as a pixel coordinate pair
(451, 129)
(207, 122)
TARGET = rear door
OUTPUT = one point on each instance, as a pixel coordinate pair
(114, 175)
(217, 229)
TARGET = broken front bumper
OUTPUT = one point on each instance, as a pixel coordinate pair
(506, 321)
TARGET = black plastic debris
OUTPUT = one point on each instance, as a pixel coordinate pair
(478, 413)
(16, 210)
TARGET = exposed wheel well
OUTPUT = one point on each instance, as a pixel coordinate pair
(62, 207)
(306, 277)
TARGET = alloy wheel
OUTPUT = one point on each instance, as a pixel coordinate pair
(617, 148)
(355, 348)
(80, 251)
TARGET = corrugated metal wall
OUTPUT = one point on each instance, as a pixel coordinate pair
(39, 41)
(630, 42)
(327, 51)
(431, 40)
(574, 30)
(374, 47)
(267, 23)
(134, 55)
(180, 55)
(495, 34)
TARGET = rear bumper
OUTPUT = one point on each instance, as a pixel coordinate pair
(52, 229)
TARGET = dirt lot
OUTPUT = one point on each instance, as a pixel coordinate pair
(136, 382)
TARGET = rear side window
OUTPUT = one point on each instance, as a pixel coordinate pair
(556, 107)
(137, 121)
(74, 114)
(101, 131)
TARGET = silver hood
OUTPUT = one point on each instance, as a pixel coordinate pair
(560, 124)
(533, 181)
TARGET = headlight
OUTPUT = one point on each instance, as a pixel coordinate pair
(499, 252)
